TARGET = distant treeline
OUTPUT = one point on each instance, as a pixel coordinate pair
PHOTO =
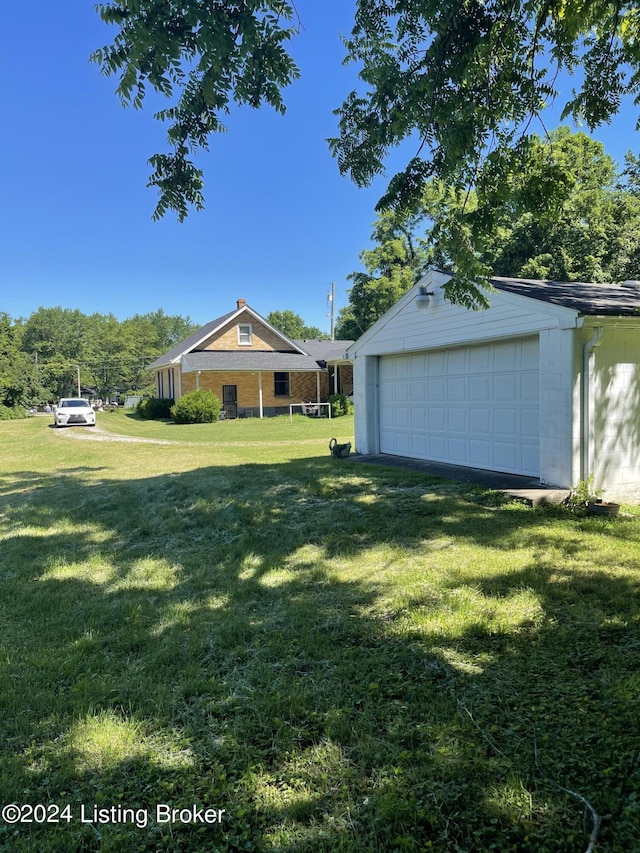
(43, 357)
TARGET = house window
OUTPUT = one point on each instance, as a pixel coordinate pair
(244, 334)
(281, 384)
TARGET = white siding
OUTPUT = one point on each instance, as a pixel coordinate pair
(406, 328)
(615, 427)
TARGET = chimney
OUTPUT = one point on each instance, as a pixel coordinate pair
(241, 303)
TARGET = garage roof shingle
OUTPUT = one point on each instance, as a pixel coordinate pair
(591, 299)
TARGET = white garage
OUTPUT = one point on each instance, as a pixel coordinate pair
(476, 405)
(544, 383)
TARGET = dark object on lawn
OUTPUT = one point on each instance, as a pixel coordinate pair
(600, 507)
(339, 450)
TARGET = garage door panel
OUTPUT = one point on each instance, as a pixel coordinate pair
(506, 387)
(457, 420)
(506, 422)
(456, 390)
(437, 447)
(402, 390)
(480, 388)
(420, 446)
(506, 456)
(505, 356)
(480, 420)
(479, 454)
(403, 417)
(387, 439)
(530, 354)
(530, 458)
(419, 363)
(418, 392)
(475, 405)
(402, 365)
(403, 443)
(419, 418)
(457, 451)
(387, 419)
(437, 418)
(481, 358)
(436, 390)
(457, 361)
(437, 362)
(387, 369)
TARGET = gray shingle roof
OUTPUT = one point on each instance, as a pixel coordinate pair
(316, 351)
(325, 350)
(249, 360)
(614, 300)
(184, 346)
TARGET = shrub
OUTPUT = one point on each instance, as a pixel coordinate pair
(155, 408)
(196, 407)
(340, 405)
(11, 413)
(581, 496)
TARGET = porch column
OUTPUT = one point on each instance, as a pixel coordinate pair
(318, 387)
(260, 392)
(198, 380)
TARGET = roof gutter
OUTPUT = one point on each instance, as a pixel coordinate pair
(588, 349)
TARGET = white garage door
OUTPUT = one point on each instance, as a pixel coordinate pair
(475, 405)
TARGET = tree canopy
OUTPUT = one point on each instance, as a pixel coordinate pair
(594, 234)
(212, 53)
(294, 327)
(399, 257)
(19, 382)
(464, 84)
(42, 356)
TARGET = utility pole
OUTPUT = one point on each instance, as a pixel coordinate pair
(331, 313)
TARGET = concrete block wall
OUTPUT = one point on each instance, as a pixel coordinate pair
(365, 400)
(558, 454)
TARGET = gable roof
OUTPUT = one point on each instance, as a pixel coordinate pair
(306, 355)
(522, 306)
(173, 355)
(198, 337)
(325, 350)
(591, 299)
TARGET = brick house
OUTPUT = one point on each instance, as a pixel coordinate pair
(253, 368)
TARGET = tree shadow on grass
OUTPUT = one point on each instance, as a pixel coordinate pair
(370, 660)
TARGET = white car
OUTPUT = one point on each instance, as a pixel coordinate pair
(73, 411)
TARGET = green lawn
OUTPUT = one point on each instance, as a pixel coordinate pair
(342, 657)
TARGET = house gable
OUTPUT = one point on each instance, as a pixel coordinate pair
(222, 335)
(406, 327)
(230, 336)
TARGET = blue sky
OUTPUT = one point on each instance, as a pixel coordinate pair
(280, 223)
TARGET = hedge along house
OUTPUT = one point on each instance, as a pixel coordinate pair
(254, 369)
(543, 383)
